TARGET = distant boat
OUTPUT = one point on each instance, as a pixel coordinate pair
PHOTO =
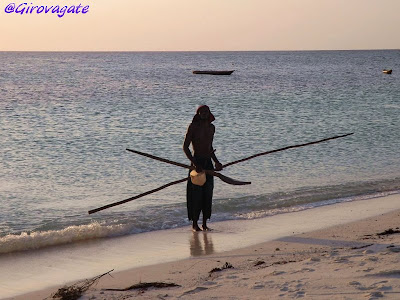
(387, 71)
(214, 72)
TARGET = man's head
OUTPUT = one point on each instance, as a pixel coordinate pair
(203, 113)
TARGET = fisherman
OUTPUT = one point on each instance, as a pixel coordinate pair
(199, 196)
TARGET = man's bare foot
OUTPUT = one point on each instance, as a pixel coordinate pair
(205, 228)
(196, 228)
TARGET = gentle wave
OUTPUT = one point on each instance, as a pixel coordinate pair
(266, 213)
(257, 206)
(72, 234)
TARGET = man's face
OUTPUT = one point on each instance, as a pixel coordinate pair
(204, 113)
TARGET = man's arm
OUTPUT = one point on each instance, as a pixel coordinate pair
(218, 165)
(186, 144)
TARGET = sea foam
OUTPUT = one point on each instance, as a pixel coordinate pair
(71, 234)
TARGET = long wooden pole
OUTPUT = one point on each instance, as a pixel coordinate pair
(161, 159)
(185, 166)
(138, 196)
(209, 172)
(285, 148)
(243, 159)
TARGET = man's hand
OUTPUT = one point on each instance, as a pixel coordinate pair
(218, 166)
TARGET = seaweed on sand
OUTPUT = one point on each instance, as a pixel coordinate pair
(225, 266)
(388, 231)
(76, 290)
(146, 285)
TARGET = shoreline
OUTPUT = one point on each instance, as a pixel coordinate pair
(346, 261)
(237, 241)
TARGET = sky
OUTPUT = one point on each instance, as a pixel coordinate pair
(202, 25)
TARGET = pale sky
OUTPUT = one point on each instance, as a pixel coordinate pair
(202, 25)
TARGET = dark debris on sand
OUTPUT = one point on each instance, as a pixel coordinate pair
(388, 231)
(145, 286)
(76, 290)
(225, 266)
(283, 262)
(259, 263)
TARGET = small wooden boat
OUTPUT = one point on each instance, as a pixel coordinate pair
(387, 71)
(214, 72)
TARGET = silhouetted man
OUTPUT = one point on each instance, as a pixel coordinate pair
(201, 134)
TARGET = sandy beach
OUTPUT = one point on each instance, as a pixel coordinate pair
(352, 255)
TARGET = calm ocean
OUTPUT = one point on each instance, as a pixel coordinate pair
(67, 118)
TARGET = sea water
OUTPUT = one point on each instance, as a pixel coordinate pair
(67, 118)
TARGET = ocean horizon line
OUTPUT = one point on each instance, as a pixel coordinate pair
(192, 51)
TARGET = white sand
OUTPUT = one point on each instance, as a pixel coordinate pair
(331, 252)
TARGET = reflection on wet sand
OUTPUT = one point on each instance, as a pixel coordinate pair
(201, 244)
